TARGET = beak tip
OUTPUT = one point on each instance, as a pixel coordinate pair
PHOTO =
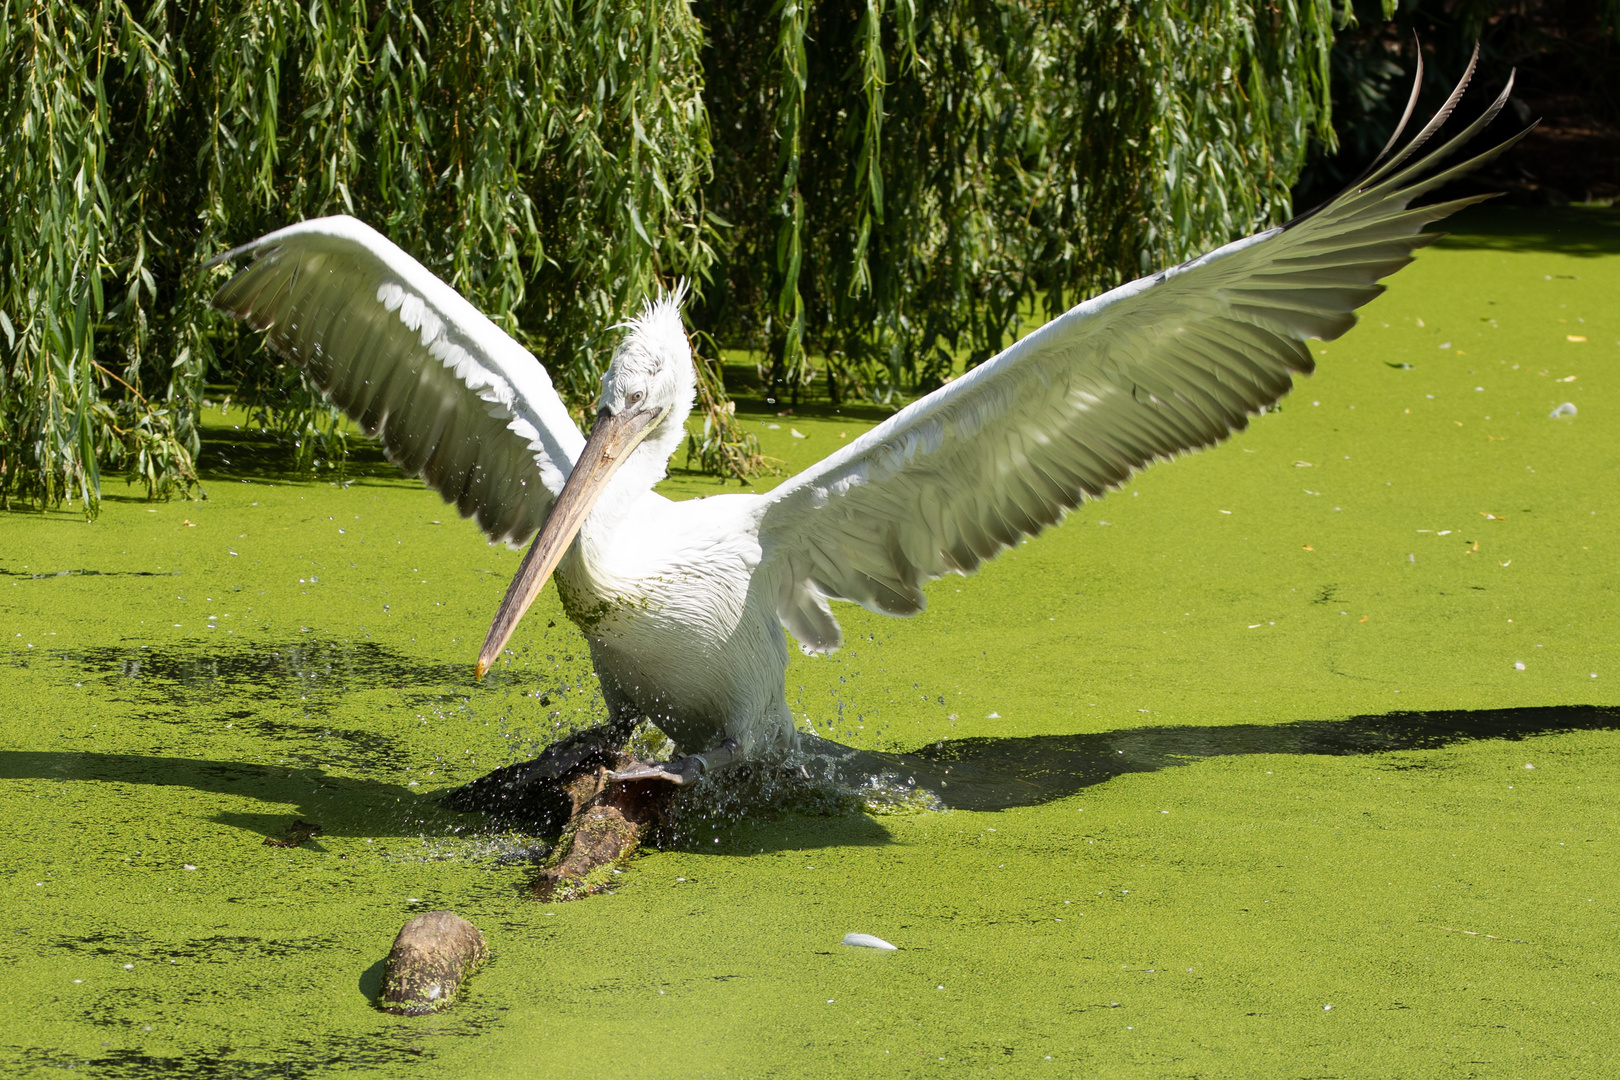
(480, 668)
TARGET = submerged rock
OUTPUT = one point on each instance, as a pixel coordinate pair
(433, 954)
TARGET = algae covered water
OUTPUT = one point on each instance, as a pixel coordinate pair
(1295, 756)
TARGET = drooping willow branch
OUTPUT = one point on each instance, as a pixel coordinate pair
(867, 190)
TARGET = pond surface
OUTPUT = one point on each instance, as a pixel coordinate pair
(1236, 771)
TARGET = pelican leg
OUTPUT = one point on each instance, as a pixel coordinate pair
(682, 771)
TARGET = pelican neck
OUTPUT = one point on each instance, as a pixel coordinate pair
(647, 465)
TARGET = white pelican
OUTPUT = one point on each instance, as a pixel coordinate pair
(684, 603)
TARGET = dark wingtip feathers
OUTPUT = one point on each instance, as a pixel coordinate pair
(1379, 172)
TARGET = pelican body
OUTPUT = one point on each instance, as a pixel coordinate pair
(683, 629)
(684, 604)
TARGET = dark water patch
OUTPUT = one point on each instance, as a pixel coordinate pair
(854, 411)
(997, 774)
(188, 675)
(217, 949)
(53, 574)
(391, 1045)
(299, 697)
(318, 745)
(184, 676)
(1582, 231)
(253, 454)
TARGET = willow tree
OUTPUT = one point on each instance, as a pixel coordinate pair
(909, 178)
(545, 158)
(892, 183)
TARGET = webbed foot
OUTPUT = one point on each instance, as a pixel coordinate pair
(687, 770)
(682, 771)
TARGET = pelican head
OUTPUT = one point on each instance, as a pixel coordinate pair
(647, 394)
(651, 372)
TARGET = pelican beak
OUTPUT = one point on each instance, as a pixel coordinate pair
(612, 439)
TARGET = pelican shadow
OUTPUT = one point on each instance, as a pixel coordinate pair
(344, 806)
(998, 774)
(964, 774)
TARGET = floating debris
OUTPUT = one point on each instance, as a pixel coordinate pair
(1566, 409)
(297, 833)
(867, 941)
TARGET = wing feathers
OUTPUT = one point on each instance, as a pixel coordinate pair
(408, 359)
(1156, 368)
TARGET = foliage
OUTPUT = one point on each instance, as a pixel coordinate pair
(722, 446)
(940, 166)
(1564, 54)
(545, 158)
(898, 183)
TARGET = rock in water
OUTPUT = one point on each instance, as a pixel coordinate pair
(546, 794)
(431, 956)
(567, 790)
(608, 825)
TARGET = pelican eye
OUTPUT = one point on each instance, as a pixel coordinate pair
(635, 398)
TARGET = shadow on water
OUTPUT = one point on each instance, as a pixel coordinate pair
(344, 806)
(968, 774)
(254, 455)
(245, 686)
(371, 980)
(1585, 231)
(998, 774)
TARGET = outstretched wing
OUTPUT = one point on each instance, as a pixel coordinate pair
(448, 394)
(1155, 368)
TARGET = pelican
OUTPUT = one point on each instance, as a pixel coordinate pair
(684, 603)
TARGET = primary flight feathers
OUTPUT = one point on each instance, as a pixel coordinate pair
(447, 392)
(1160, 366)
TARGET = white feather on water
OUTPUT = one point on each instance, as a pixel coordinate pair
(867, 941)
